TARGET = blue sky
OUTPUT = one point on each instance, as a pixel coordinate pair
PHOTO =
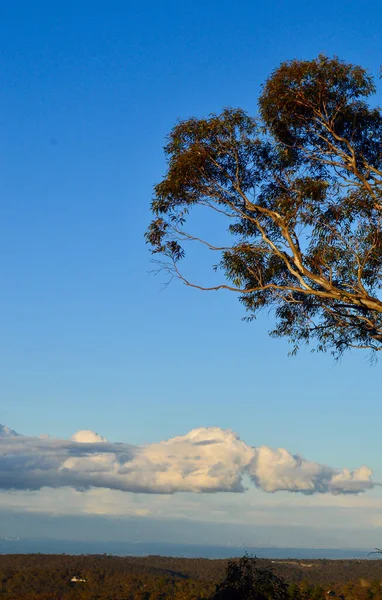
(89, 337)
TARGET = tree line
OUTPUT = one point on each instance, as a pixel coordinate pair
(63, 577)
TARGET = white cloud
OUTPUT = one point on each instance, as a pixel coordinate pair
(204, 460)
(6, 431)
(85, 436)
(279, 470)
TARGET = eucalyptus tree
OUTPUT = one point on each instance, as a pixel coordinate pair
(299, 189)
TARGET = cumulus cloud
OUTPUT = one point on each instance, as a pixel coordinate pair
(7, 432)
(204, 460)
(87, 437)
(279, 470)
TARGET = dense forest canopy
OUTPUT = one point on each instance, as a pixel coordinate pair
(300, 189)
(64, 577)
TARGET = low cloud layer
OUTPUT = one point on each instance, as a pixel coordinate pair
(204, 460)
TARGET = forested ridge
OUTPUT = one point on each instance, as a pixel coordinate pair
(49, 577)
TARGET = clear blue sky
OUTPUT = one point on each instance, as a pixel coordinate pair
(89, 339)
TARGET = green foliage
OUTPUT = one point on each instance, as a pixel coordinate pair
(300, 189)
(246, 581)
(39, 577)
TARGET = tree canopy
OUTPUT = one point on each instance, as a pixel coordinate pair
(245, 581)
(299, 187)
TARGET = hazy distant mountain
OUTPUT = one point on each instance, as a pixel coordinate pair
(7, 432)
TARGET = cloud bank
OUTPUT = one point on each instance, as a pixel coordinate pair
(204, 460)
